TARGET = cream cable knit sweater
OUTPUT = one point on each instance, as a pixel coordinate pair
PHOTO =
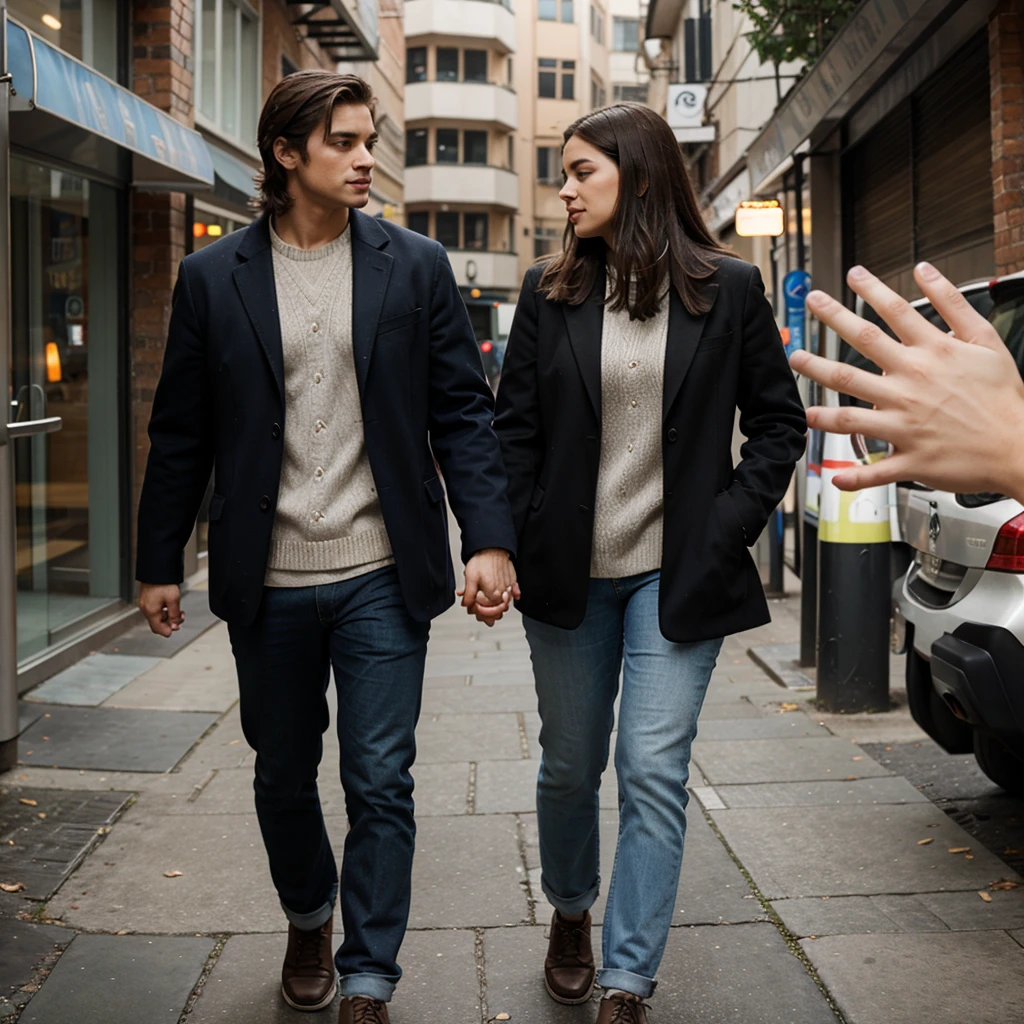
(328, 524)
(628, 511)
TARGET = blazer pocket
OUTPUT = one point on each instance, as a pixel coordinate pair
(394, 323)
(714, 342)
(537, 497)
(216, 508)
(435, 489)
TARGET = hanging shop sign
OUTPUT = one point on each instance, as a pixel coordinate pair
(756, 217)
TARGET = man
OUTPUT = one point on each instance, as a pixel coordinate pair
(320, 361)
(952, 405)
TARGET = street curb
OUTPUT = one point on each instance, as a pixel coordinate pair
(782, 663)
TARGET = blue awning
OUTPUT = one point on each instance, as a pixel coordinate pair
(165, 154)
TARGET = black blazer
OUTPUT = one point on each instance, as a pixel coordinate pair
(220, 405)
(549, 424)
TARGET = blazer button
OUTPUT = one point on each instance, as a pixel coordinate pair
(264, 503)
(275, 431)
(673, 434)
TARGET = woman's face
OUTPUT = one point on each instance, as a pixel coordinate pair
(591, 189)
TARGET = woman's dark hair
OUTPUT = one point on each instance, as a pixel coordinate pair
(300, 104)
(658, 230)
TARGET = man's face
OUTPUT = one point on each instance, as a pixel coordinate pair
(337, 170)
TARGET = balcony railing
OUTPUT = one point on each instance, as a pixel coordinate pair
(461, 101)
(462, 183)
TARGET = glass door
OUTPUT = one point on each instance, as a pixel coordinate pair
(64, 303)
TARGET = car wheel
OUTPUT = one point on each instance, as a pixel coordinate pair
(999, 763)
(929, 710)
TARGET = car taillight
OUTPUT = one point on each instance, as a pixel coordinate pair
(1008, 550)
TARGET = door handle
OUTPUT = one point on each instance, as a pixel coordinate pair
(28, 428)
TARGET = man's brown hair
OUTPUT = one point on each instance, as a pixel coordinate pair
(299, 104)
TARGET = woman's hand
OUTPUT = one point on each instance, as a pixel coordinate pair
(952, 405)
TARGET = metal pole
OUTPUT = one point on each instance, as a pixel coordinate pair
(8, 565)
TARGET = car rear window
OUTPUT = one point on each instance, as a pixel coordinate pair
(1007, 316)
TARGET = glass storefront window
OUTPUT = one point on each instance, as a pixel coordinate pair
(65, 362)
(87, 29)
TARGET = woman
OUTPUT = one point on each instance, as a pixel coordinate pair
(629, 353)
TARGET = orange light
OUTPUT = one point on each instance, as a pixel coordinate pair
(486, 347)
(784, 333)
(198, 229)
(215, 231)
(474, 293)
(53, 370)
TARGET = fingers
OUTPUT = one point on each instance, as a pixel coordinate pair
(885, 471)
(472, 588)
(851, 419)
(174, 614)
(909, 326)
(870, 341)
(967, 323)
(849, 380)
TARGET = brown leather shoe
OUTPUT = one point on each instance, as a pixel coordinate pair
(361, 1010)
(622, 1008)
(308, 978)
(569, 969)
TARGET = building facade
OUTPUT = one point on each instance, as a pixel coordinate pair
(132, 142)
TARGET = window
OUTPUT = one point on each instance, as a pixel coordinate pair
(510, 69)
(626, 34)
(630, 93)
(447, 146)
(416, 64)
(448, 229)
(598, 93)
(568, 79)
(511, 152)
(549, 165)
(568, 16)
(474, 147)
(419, 221)
(474, 64)
(227, 80)
(556, 10)
(447, 64)
(415, 147)
(545, 241)
(547, 84)
(88, 31)
(475, 230)
(597, 23)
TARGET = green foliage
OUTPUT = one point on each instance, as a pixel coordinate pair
(787, 30)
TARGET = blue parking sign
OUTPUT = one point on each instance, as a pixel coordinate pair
(795, 286)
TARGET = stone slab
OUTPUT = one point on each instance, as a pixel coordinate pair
(439, 982)
(112, 738)
(145, 979)
(715, 975)
(857, 915)
(464, 699)
(782, 663)
(939, 978)
(735, 707)
(468, 873)
(891, 789)
(92, 680)
(794, 760)
(967, 911)
(711, 888)
(504, 787)
(28, 712)
(854, 851)
(25, 948)
(472, 737)
(142, 641)
(777, 727)
(43, 841)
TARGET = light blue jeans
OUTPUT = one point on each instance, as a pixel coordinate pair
(663, 688)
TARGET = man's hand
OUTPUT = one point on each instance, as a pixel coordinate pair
(952, 405)
(490, 585)
(161, 604)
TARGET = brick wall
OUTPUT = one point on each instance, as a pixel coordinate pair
(161, 47)
(1006, 56)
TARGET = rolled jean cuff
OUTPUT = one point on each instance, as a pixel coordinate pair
(370, 986)
(311, 921)
(575, 905)
(634, 984)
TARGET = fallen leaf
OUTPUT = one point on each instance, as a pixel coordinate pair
(124, 931)
(985, 896)
(969, 856)
(787, 706)
(858, 758)
(959, 849)
(851, 778)
(28, 803)
(232, 743)
(12, 886)
(502, 1016)
(42, 814)
(74, 906)
(173, 874)
(924, 842)
(1004, 885)
(936, 825)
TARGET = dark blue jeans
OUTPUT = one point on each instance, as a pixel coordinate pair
(363, 629)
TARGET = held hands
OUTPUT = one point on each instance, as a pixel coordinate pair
(161, 604)
(490, 585)
(952, 405)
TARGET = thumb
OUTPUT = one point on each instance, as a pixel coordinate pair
(174, 611)
(472, 586)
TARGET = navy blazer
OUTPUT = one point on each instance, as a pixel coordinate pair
(549, 425)
(220, 406)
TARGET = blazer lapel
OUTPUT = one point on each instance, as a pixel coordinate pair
(371, 272)
(684, 331)
(585, 323)
(255, 282)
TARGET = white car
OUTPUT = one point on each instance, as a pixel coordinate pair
(959, 607)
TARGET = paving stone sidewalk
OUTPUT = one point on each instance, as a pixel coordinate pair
(818, 885)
